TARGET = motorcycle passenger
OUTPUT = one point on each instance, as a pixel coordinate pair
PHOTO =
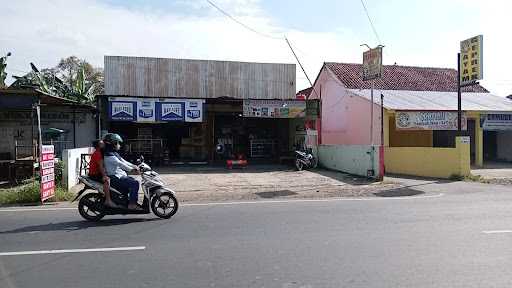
(97, 171)
(116, 168)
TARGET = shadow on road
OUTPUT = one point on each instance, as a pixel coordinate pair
(399, 192)
(76, 225)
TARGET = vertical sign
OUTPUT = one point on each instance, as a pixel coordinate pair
(194, 111)
(372, 64)
(146, 110)
(47, 172)
(471, 57)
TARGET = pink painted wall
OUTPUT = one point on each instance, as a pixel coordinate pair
(345, 117)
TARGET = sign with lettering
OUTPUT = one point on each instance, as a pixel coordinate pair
(146, 110)
(122, 110)
(471, 60)
(274, 108)
(428, 120)
(372, 64)
(194, 111)
(47, 172)
(496, 122)
(171, 111)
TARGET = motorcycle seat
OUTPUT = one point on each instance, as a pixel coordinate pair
(95, 185)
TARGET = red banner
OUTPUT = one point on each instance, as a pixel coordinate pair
(47, 172)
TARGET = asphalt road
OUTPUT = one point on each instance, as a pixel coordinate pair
(458, 239)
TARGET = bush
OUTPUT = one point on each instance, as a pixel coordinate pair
(29, 193)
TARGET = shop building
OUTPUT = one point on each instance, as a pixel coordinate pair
(177, 111)
(419, 123)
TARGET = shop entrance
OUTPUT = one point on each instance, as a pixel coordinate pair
(164, 143)
(258, 139)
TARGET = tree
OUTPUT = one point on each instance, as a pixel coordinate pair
(72, 78)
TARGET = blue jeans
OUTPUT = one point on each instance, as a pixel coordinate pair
(127, 185)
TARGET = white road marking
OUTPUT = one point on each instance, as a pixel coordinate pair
(71, 251)
(496, 231)
(252, 202)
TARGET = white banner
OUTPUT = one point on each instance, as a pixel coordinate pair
(146, 110)
(194, 111)
(274, 109)
(428, 120)
(496, 122)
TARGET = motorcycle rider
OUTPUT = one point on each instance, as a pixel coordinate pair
(116, 168)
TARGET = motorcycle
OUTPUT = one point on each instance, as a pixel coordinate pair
(162, 201)
(305, 160)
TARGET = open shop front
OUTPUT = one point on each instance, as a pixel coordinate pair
(164, 131)
(497, 139)
(261, 131)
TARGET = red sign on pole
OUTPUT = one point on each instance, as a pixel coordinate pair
(47, 172)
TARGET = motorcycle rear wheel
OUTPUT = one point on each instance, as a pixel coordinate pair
(161, 205)
(91, 207)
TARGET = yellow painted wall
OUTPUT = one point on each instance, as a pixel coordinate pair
(405, 138)
(428, 161)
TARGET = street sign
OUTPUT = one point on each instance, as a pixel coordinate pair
(372, 64)
(47, 172)
(471, 60)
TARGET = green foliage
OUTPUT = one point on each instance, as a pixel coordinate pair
(72, 78)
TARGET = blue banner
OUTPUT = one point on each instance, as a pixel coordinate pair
(122, 110)
(170, 111)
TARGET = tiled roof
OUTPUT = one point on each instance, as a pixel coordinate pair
(395, 77)
(305, 92)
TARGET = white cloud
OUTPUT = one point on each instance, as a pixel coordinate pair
(45, 31)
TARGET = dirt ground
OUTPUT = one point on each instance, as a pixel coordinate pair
(210, 184)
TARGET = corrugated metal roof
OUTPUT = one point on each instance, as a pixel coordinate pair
(435, 100)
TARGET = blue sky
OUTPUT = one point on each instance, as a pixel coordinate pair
(421, 33)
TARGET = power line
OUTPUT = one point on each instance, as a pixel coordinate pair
(371, 22)
(241, 23)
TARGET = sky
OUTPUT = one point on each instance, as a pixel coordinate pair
(414, 32)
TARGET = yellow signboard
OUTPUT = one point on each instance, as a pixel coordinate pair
(471, 60)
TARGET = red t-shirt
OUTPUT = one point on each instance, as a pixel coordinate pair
(94, 164)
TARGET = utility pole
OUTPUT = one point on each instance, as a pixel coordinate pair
(459, 98)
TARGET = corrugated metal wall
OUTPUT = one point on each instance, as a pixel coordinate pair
(161, 77)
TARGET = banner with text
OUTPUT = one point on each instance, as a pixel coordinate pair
(428, 120)
(496, 122)
(47, 172)
(152, 110)
(274, 109)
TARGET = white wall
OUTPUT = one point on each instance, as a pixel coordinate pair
(504, 141)
(71, 159)
(353, 159)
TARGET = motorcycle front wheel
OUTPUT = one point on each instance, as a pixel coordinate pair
(299, 165)
(164, 205)
(91, 207)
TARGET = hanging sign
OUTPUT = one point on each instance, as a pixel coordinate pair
(47, 173)
(372, 64)
(496, 122)
(171, 111)
(471, 60)
(428, 120)
(146, 111)
(122, 110)
(274, 109)
(194, 111)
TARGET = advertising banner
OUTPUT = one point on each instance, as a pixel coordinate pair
(122, 110)
(47, 172)
(428, 120)
(170, 111)
(152, 110)
(146, 110)
(471, 60)
(274, 109)
(372, 64)
(496, 122)
(194, 111)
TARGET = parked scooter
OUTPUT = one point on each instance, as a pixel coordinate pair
(305, 160)
(162, 200)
